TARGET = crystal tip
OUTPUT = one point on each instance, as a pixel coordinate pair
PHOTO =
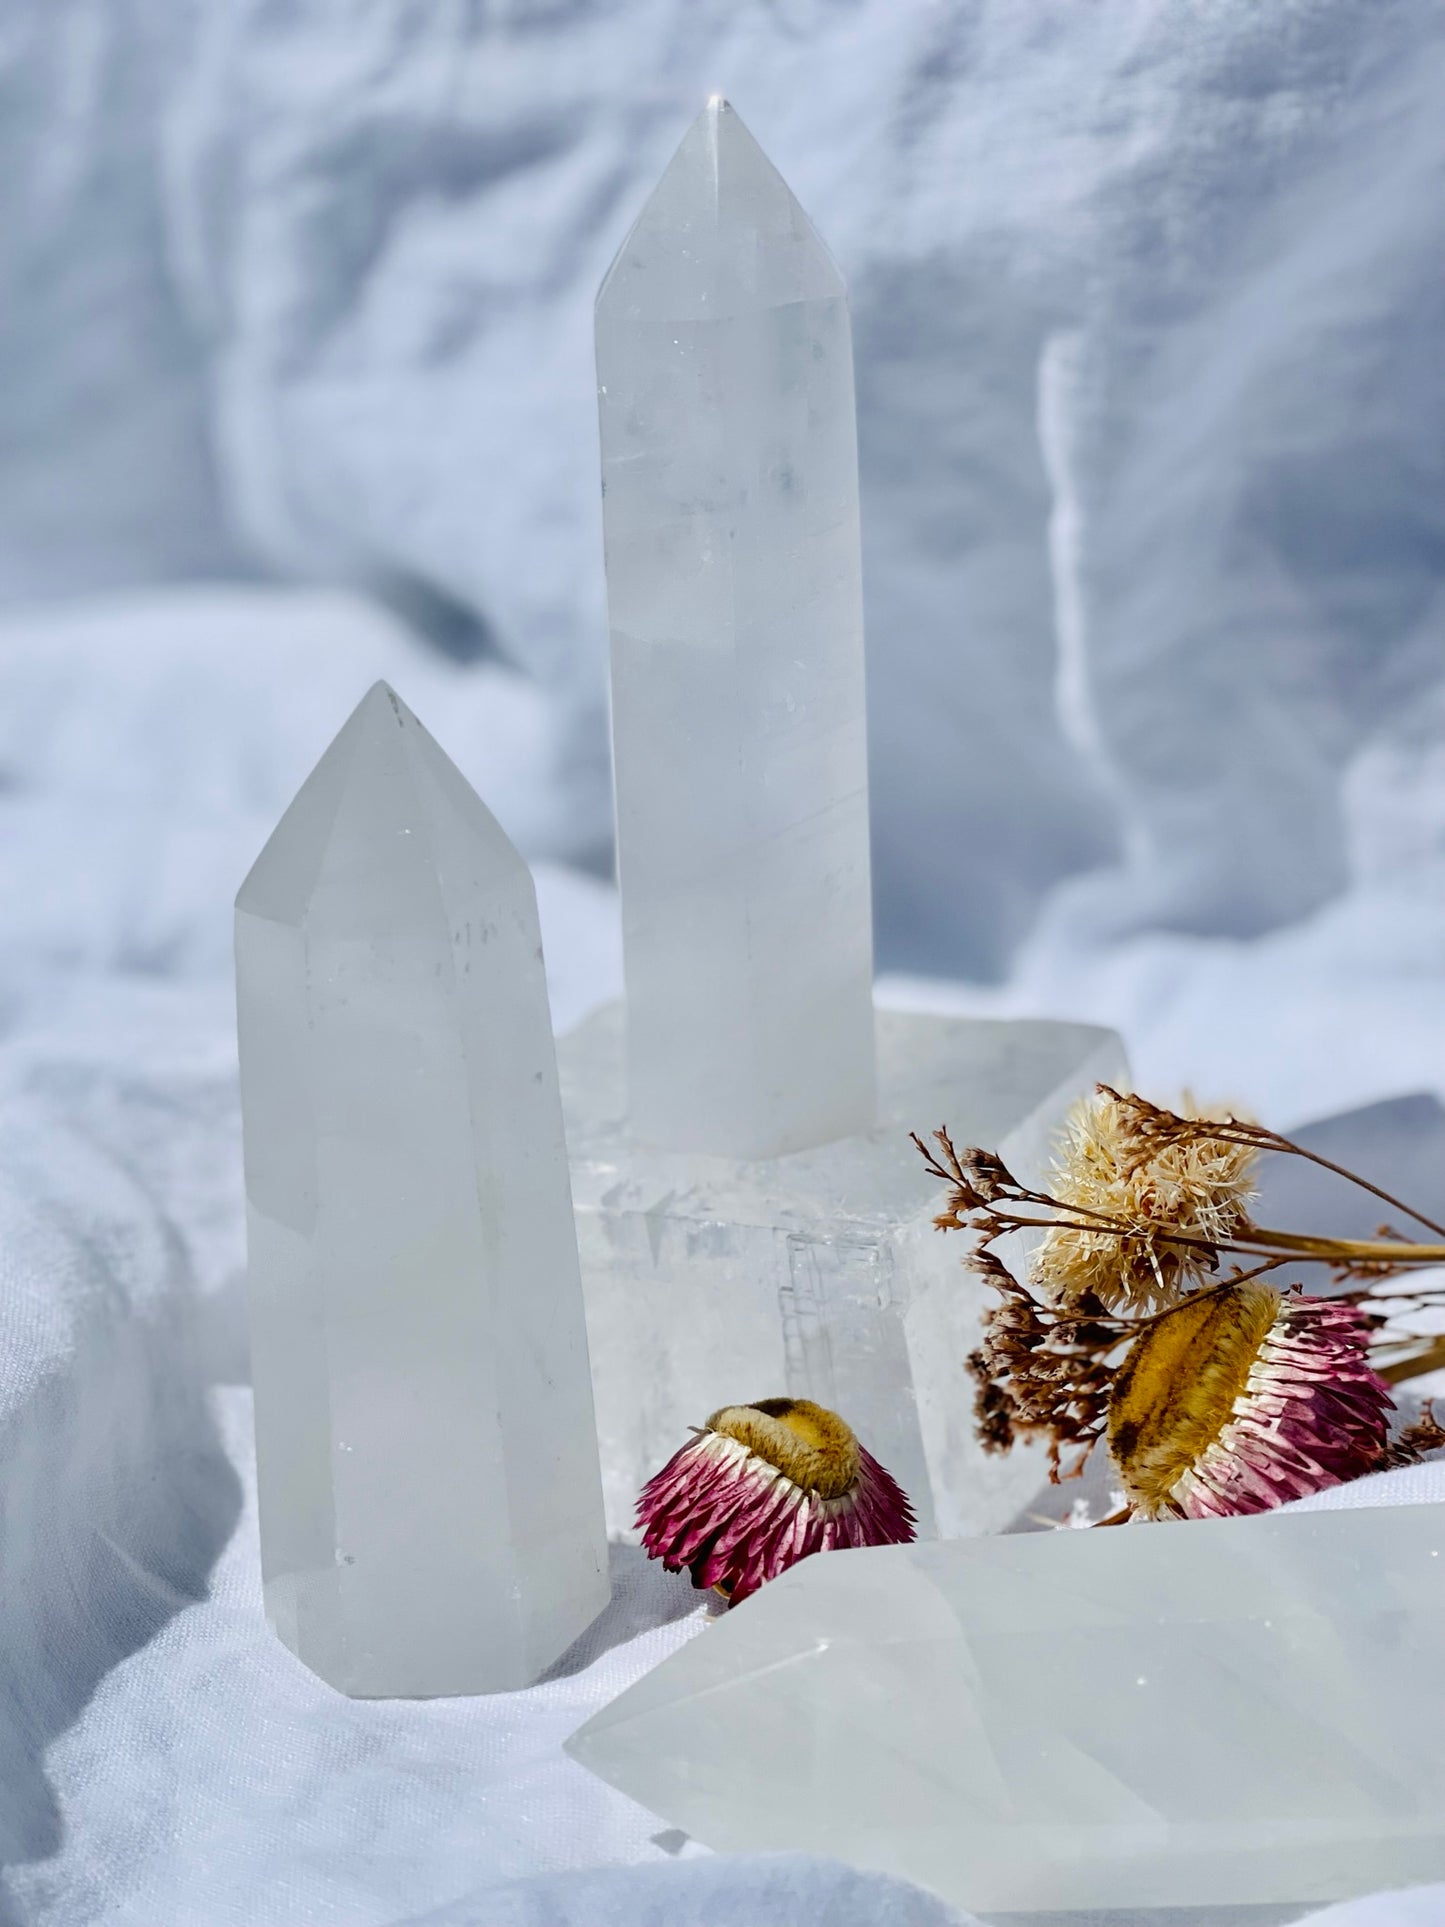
(382, 701)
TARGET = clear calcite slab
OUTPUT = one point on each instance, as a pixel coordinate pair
(1198, 1714)
(430, 1509)
(819, 1274)
(735, 602)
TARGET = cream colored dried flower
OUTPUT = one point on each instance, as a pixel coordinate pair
(1118, 1165)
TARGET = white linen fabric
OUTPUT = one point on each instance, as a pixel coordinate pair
(1148, 308)
(164, 1762)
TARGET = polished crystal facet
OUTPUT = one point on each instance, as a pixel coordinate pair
(431, 1518)
(711, 1281)
(1190, 1715)
(730, 477)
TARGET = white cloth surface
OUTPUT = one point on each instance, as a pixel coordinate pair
(1147, 305)
(164, 1762)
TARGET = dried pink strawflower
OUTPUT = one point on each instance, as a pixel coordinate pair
(1242, 1398)
(761, 1486)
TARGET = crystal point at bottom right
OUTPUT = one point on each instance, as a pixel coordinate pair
(1186, 1714)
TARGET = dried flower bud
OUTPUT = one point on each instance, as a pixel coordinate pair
(989, 1178)
(1242, 1398)
(993, 1408)
(761, 1486)
(1136, 1179)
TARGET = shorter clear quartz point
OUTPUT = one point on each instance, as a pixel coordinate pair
(430, 1507)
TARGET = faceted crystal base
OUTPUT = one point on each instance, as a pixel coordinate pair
(817, 1275)
(1200, 1714)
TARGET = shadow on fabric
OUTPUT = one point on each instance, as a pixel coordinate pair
(116, 1496)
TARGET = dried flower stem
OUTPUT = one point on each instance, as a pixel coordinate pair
(1154, 1127)
(993, 1210)
(1427, 1356)
(1395, 1254)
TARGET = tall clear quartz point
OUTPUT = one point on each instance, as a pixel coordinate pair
(751, 1216)
(431, 1518)
(1184, 1715)
(819, 1274)
(734, 588)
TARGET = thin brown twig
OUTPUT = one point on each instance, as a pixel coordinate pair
(1130, 1328)
(1257, 1242)
(1235, 1131)
(1239, 1132)
(997, 1203)
(1385, 1197)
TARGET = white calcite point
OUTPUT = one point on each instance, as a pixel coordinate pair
(1193, 1714)
(730, 507)
(431, 1518)
(715, 1281)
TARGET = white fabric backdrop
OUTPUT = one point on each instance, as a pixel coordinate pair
(1148, 310)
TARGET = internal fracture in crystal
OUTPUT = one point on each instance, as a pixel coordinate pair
(730, 508)
(430, 1506)
(1185, 1715)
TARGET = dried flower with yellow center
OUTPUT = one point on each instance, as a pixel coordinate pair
(761, 1486)
(1222, 1397)
(1112, 1172)
(1242, 1398)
